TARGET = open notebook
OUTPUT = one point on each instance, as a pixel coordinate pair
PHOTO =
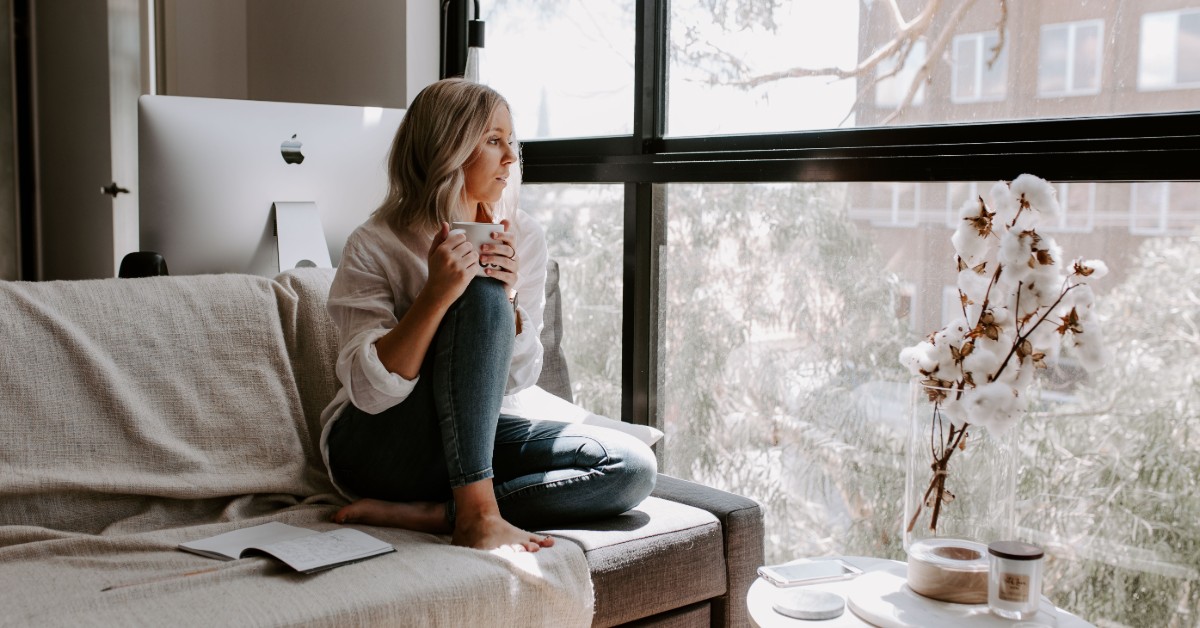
(302, 549)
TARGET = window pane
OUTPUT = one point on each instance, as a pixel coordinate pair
(1147, 207)
(566, 67)
(584, 227)
(1054, 61)
(966, 64)
(1086, 75)
(740, 66)
(1156, 57)
(995, 77)
(895, 83)
(784, 310)
(1189, 48)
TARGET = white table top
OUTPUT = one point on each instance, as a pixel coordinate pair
(880, 597)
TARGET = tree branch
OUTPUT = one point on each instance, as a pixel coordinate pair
(934, 52)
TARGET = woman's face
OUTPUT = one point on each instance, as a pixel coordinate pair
(487, 172)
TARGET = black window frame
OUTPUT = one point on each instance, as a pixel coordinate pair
(1115, 148)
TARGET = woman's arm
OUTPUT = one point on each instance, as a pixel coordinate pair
(526, 364)
(451, 267)
(381, 354)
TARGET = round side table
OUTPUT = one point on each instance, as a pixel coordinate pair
(880, 597)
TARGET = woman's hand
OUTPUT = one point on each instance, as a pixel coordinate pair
(501, 252)
(452, 263)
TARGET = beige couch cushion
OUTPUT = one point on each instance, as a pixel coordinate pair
(136, 404)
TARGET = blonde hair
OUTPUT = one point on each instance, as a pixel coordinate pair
(437, 138)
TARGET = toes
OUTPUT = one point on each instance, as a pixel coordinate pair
(546, 541)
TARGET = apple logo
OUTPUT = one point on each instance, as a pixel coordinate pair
(290, 149)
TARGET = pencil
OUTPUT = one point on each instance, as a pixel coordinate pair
(159, 579)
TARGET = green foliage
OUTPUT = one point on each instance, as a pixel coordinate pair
(585, 234)
(1112, 476)
(775, 314)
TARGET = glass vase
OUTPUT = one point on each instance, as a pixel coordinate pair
(960, 481)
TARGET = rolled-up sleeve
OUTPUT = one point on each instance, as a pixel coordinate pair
(526, 365)
(363, 308)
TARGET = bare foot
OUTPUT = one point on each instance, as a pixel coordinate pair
(491, 531)
(417, 516)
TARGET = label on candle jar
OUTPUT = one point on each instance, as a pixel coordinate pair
(1014, 587)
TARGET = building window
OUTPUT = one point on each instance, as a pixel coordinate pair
(1164, 208)
(894, 84)
(977, 76)
(1077, 202)
(890, 204)
(1069, 58)
(1169, 53)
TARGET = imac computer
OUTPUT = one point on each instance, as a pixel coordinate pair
(219, 178)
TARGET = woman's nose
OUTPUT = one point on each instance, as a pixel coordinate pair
(509, 156)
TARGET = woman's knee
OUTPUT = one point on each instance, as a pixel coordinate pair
(480, 322)
(633, 470)
(484, 298)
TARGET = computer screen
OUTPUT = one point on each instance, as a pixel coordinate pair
(211, 169)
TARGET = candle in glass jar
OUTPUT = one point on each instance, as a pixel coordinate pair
(1015, 579)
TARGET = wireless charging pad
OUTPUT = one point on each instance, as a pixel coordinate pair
(805, 604)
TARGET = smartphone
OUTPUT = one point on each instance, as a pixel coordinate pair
(809, 572)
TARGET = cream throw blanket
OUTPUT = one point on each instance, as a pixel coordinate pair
(141, 413)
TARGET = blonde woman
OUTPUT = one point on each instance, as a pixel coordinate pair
(415, 436)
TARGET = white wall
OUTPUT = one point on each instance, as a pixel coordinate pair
(359, 52)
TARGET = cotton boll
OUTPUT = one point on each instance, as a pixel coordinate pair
(996, 406)
(1045, 286)
(973, 284)
(1099, 268)
(953, 333)
(1089, 269)
(1082, 297)
(1001, 316)
(1023, 302)
(927, 358)
(954, 410)
(1038, 193)
(984, 361)
(974, 309)
(988, 403)
(1005, 419)
(1045, 339)
(1003, 202)
(969, 245)
(918, 358)
(944, 357)
(1015, 250)
(1050, 256)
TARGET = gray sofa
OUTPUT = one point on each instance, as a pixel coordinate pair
(142, 413)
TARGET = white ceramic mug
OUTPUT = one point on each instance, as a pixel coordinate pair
(477, 233)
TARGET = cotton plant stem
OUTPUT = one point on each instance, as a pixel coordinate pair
(938, 482)
(1021, 338)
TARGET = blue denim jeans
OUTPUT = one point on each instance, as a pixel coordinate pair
(449, 432)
